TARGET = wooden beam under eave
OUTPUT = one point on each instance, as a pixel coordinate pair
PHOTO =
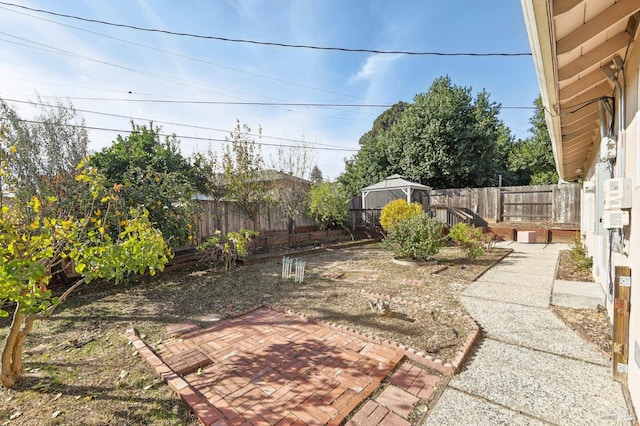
(577, 161)
(594, 56)
(591, 95)
(579, 140)
(569, 117)
(563, 6)
(597, 25)
(577, 143)
(577, 87)
(587, 130)
(587, 120)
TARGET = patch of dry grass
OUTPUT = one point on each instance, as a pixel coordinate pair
(79, 368)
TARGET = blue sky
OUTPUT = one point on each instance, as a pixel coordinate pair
(97, 61)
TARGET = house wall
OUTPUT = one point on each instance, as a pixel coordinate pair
(633, 171)
(598, 245)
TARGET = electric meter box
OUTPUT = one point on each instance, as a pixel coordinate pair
(617, 193)
(615, 219)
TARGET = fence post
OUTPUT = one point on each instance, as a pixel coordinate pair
(499, 217)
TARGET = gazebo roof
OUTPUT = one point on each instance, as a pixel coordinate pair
(395, 182)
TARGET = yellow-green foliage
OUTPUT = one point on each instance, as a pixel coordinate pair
(396, 211)
(471, 239)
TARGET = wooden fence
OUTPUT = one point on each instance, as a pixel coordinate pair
(544, 204)
(552, 204)
(226, 216)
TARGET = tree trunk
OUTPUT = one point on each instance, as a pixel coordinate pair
(14, 346)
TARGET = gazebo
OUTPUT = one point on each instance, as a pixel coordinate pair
(376, 196)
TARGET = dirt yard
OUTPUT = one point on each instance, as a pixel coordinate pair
(591, 323)
(79, 368)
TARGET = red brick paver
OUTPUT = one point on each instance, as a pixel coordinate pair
(267, 367)
(187, 361)
(373, 413)
(415, 380)
(397, 400)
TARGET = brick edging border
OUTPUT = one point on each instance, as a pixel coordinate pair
(205, 412)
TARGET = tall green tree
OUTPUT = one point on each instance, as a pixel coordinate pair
(153, 174)
(144, 148)
(532, 158)
(371, 163)
(447, 138)
(506, 146)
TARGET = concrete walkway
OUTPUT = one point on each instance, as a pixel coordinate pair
(529, 368)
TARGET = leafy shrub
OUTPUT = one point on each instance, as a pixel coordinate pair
(226, 249)
(328, 204)
(471, 239)
(417, 237)
(396, 211)
(578, 255)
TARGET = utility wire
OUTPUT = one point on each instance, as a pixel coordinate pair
(194, 137)
(166, 122)
(283, 104)
(264, 43)
(192, 58)
(56, 50)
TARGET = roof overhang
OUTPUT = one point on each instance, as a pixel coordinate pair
(571, 42)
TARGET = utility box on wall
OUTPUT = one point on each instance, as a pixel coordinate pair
(615, 219)
(617, 193)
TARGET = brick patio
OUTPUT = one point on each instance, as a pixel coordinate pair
(268, 367)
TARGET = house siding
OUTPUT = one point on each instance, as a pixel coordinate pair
(598, 244)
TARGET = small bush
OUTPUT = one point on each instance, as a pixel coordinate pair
(396, 211)
(471, 239)
(226, 249)
(419, 237)
(579, 255)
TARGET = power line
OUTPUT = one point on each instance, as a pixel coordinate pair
(56, 50)
(53, 49)
(192, 58)
(283, 104)
(195, 137)
(264, 43)
(206, 102)
(167, 122)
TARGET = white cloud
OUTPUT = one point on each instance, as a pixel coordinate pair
(375, 66)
